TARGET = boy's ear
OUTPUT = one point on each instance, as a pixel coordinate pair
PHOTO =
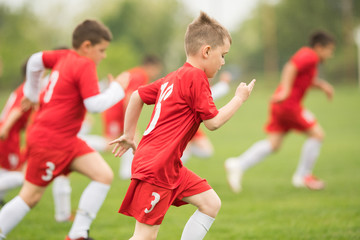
(205, 51)
(85, 45)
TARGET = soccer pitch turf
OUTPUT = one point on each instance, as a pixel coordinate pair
(269, 206)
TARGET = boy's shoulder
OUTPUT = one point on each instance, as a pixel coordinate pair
(305, 54)
(189, 72)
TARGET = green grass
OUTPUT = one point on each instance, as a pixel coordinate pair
(269, 207)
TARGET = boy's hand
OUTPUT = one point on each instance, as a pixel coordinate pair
(3, 133)
(26, 104)
(243, 91)
(329, 91)
(122, 145)
(123, 79)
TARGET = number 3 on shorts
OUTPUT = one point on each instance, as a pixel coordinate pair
(49, 171)
(153, 202)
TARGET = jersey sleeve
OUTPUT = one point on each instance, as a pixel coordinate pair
(50, 58)
(19, 95)
(148, 93)
(304, 59)
(202, 101)
(88, 80)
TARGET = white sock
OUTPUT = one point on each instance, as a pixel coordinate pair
(11, 214)
(62, 198)
(200, 152)
(186, 155)
(197, 226)
(90, 202)
(309, 154)
(257, 152)
(98, 143)
(10, 180)
(125, 164)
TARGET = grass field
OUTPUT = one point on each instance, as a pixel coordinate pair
(269, 207)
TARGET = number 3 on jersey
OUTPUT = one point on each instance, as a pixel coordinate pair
(54, 76)
(49, 172)
(165, 93)
(153, 202)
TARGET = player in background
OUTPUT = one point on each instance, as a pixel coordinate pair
(113, 118)
(52, 142)
(13, 122)
(287, 113)
(200, 145)
(182, 101)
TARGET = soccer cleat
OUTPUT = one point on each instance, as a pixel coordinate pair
(309, 181)
(88, 238)
(68, 219)
(81, 238)
(233, 174)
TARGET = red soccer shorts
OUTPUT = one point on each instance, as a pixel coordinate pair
(283, 120)
(11, 157)
(46, 164)
(113, 119)
(148, 203)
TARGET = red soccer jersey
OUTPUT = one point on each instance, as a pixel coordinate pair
(305, 61)
(73, 79)
(116, 113)
(10, 157)
(182, 101)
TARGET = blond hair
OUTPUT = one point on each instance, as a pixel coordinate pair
(204, 30)
(91, 30)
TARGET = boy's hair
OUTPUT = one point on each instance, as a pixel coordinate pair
(322, 38)
(204, 30)
(151, 60)
(23, 68)
(91, 30)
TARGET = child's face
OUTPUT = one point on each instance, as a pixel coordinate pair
(97, 52)
(325, 52)
(216, 59)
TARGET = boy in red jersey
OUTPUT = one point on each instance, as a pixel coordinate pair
(52, 143)
(13, 121)
(182, 101)
(287, 113)
(113, 118)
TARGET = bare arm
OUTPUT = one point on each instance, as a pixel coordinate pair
(132, 114)
(326, 87)
(225, 113)
(14, 115)
(287, 79)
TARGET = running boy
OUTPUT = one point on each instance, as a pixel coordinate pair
(287, 113)
(13, 122)
(53, 145)
(182, 101)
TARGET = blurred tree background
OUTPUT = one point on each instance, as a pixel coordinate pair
(261, 44)
(266, 41)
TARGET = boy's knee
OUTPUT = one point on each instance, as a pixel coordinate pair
(319, 135)
(106, 177)
(211, 207)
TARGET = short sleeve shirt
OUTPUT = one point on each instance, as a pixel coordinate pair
(73, 79)
(182, 101)
(13, 102)
(305, 61)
